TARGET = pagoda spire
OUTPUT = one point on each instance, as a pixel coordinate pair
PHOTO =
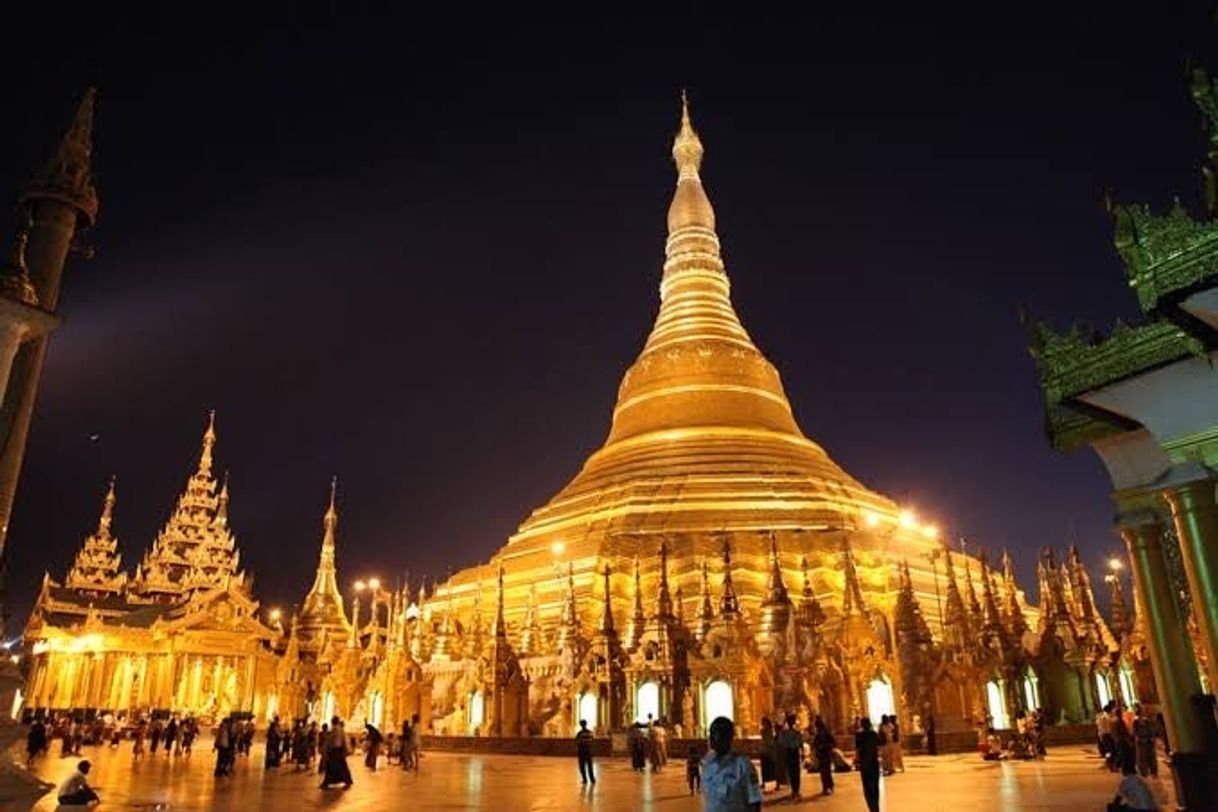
(706, 612)
(1017, 625)
(209, 443)
(729, 607)
(976, 616)
(956, 623)
(1080, 581)
(607, 627)
(569, 633)
(500, 630)
(992, 618)
(323, 605)
(775, 606)
(809, 608)
(95, 570)
(852, 601)
(638, 619)
(530, 633)
(663, 597)
(776, 590)
(908, 621)
(68, 176)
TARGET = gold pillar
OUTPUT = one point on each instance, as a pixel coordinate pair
(1195, 515)
(1174, 665)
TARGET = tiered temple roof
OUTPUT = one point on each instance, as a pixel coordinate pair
(196, 550)
(96, 571)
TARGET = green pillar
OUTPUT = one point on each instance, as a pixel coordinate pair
(1195, 514)
(1173, 662)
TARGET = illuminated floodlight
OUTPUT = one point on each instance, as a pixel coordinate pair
(931, 531)
(871, 519)
(558, 548)
(907, 518)
(1115, 564)
(275, 614)
(360, 586)
(374, 583)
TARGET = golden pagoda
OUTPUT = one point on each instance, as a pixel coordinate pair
(96, 569)
(705, 461)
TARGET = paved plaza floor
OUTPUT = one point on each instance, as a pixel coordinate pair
(1070, 779)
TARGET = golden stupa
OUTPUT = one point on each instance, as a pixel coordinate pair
(703, 449)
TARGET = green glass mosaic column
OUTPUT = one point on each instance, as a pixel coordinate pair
(1195, 514)
(1170, 655)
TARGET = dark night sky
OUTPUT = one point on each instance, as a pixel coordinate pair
(419, 253)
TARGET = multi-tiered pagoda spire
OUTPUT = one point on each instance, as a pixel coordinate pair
(706, 606)
(638, 618)
(1017, 624)
(729, 607)
(195, 551)
(323, 606)
(957, 632)
(776, 606)
(96, 569)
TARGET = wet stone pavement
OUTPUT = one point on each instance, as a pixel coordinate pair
(1069, 779)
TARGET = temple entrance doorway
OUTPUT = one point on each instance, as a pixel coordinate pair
(1031, 692)
(880, 700)
(647, 701)
(1125, 675)
(996, 704)
(327, 707)
(718, 701)
(1102, 690)
(477, 711)
(378, 709)
(586, 707)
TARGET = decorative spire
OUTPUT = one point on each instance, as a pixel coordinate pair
(323, 605)
(729, 607)
(975, 614)
(687, 147)
(500, 626)
(209, 442)
(530, 634)
(607, 627)
(853, 599)
(956, 623)
(706, 612)
(908, 622)
(1084, 598)
(638, 619)
(68, 176)
(570, 633)
(95, 571)
(1017, 625)
(775, 606)
(221, 520)
(679, 606)
(15, 283)
(776, 591)
(992, 618)
(663, 598)
(809, 608)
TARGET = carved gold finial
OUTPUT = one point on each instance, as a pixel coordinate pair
(68, 176)
(687, 147)
(332, 511)
(209, 442)
(107, 514)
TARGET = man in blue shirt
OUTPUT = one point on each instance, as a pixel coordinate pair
(729, 782)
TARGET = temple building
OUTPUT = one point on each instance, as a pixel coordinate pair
(1144, 398)
(709, 559)
(182, 635)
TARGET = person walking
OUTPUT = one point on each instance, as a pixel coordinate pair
(1103, 734)
(886, 762)
(35, 742)
(154, 735)
(767, 753)
(693, 770)
(137, 739)
(1144, 743)
(223, 746)
(729, 782)
(823, 745)
(898, 751)
(374, 746)
(932, 746)
(790, 747)
(273, 734)
(867, 753)
(583, 752)
(334, 762)
(1122, 747)
(171, 735)
(416, 741)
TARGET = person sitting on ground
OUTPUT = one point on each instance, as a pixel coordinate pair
(729, 782)
(75, 789)
(991, 747)
(1133, 793)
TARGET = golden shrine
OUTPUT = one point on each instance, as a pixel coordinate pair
(708, 559)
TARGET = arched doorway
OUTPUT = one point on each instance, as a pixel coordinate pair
(477, 712)
(1125, 675)
(647, 701)
(586, 707)
(996, 704)
(718, 701)
(1031, 691)
(378, 709)
(327, 707)
(1102, 689)
(880, 701)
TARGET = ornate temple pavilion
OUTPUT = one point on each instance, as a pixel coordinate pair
(709, 559)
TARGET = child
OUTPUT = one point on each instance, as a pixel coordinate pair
(693, 770)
